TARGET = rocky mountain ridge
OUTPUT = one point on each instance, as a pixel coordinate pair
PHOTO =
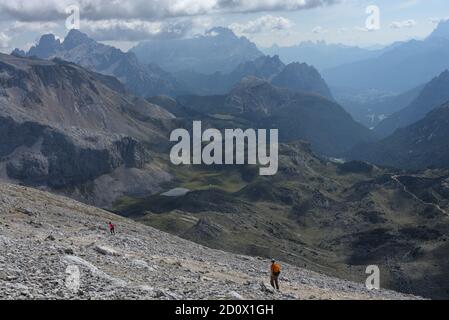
(420, 145)
(73, 131)
(296, 76)
(403, 66)
(297, 115)
(141, 79)
(432, 95)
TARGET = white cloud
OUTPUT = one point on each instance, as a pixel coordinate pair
(262, 24)
(408, 4)
(134, 30)
(4, 40)
(438, 20)
(143, 19)
(319, 30)
(410, 23)
(20, 27)
(54, 10)
(362, 29)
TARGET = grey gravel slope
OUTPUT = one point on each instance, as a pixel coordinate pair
(42, 234)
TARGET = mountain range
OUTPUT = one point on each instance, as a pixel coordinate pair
(404, 66)
(422, 144)
(415, 136)
(86, 120)
(69, 129)
(322, 55)
(218, 50)
(432, 95)
(148, 79)
(297, 115)
(371, 106)
(141, 79)
(294, 76)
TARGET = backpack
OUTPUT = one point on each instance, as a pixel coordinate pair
(275, 268)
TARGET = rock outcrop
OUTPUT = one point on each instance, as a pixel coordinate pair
(65, 128)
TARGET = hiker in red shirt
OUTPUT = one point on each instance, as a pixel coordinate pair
(111, 228)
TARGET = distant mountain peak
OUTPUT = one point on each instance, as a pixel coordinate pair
(75, 38)
(273, 58)
(302, 77)
(441, 81)
(48, 39)
(79, 48)
(265, 67)
(46, 47)
(299, 65)
(441, 31)
(218, 49)
(434, 94)
(18, 53)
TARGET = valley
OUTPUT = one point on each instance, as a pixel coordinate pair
(327, 217)
(356, 173)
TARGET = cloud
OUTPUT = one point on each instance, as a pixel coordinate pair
(319, 30)
(135, 30)
(54, 10)
(20, 27)
(135, 20)
(4, 40)
(262, 24)
(438, 20)
(408, 4)
(271, 5)
(410, 23)
(361, 29)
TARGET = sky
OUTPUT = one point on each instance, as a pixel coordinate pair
(266, 22)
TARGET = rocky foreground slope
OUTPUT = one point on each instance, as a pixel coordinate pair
(41, 235)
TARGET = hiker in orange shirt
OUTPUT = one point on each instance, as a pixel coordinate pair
(275, 272)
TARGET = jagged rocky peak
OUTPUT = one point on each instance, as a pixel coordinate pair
(75, 38)
(79, 48)
(48, 45)
(265, 67)
(302, 77)
(18, 53)
(269, 60)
